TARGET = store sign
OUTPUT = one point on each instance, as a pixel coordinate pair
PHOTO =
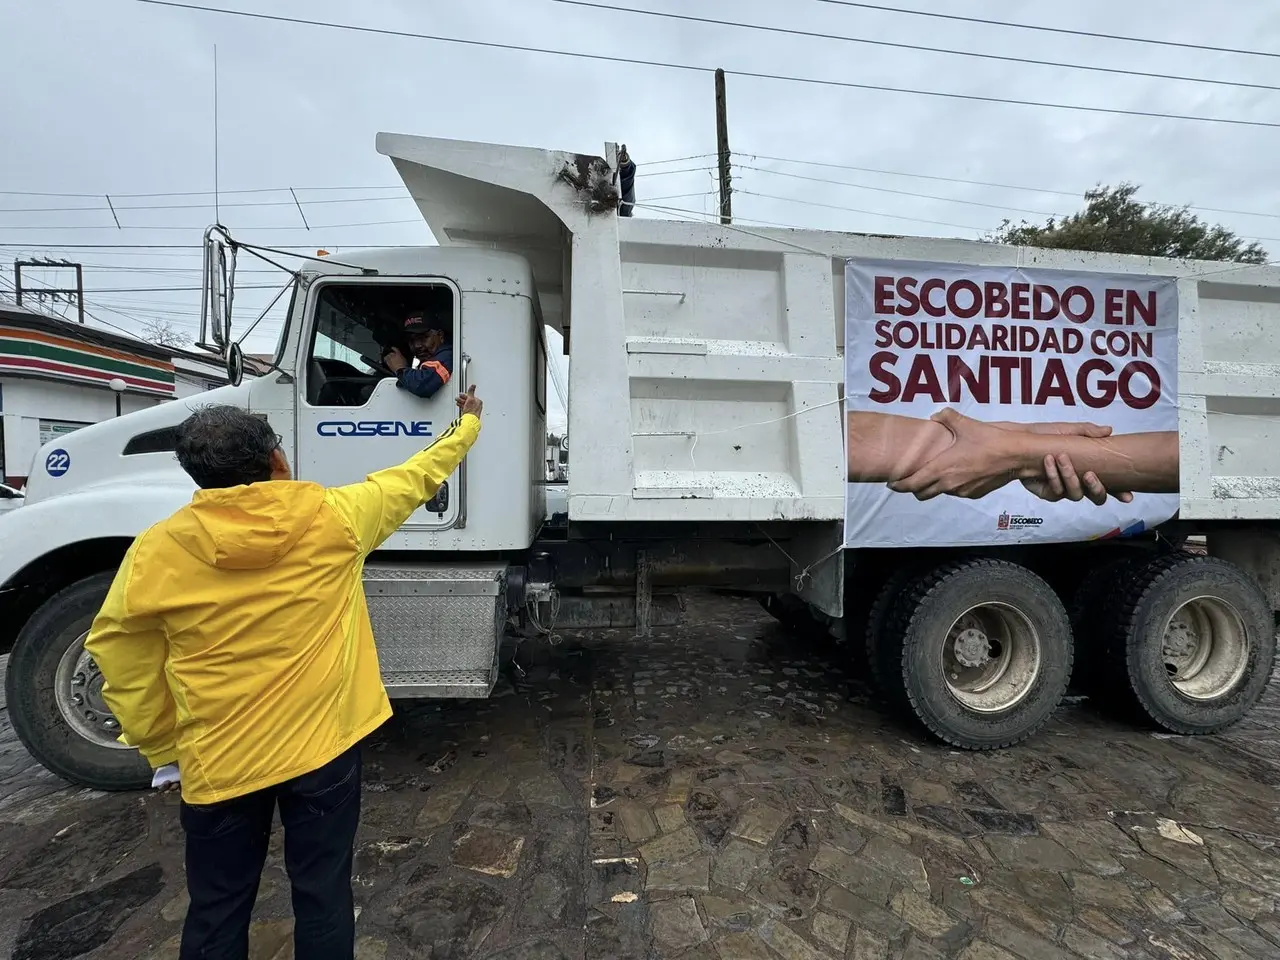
(52, 429)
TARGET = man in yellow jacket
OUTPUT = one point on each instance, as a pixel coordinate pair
(235, 642)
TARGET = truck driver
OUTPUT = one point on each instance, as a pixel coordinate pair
(428, 341)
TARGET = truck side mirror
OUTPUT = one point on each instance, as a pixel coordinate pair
(218, 288)
(235, 364)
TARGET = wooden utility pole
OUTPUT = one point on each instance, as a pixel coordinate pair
(722, 149)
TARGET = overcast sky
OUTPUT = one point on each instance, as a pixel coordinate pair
(116, 97)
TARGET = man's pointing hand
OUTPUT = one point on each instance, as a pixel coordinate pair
(470, 403)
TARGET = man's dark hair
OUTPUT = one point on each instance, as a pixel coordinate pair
(222, 446)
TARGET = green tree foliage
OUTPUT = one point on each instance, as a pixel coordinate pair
(1114, 221)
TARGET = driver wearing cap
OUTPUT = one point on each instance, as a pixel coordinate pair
(428, 342)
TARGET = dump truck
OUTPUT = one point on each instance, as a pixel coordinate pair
(730, 389)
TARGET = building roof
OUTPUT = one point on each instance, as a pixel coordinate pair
(26, 319)
(15, 316)
(36, 344)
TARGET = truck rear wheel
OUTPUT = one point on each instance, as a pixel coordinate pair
(882, 650)
(54, 692)
(1091, 602)
(1194, 638)
(983, 652)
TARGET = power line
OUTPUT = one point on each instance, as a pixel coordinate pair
(1043, 29)
(713, 219)
(715, 21)
(1075, 194)
(199, 206)
(831, 206)
(163, 271)
(902, 193)
(870, 213)
(193, 247)
(112, 226)
(187, 193)
(683, 196)
(108, 323)
(239, 286)
(667, 173)
(696, 156)
(117, 195)
(260, 203)
(667, 65)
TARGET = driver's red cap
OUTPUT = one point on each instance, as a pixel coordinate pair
(418, 322)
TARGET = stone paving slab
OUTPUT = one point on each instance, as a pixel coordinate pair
(722, 791)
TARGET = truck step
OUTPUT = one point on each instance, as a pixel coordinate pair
(438, 627)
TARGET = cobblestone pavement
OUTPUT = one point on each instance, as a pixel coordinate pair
(722, 792)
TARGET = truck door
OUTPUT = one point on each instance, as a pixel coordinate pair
(353, 418)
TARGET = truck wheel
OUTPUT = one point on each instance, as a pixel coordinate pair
(985, 652)
(1195, 640)
(1091, 602)
(883, 649)
(54, 691)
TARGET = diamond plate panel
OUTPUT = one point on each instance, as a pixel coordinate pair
(444, 643)
(426, 571)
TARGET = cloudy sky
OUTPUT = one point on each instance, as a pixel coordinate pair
(116, 97)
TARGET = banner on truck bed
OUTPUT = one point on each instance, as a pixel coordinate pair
(960, 381)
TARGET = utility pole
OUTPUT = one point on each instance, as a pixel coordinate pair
(52, 293)
(722, 150)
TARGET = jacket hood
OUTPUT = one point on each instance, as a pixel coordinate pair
(249, 527)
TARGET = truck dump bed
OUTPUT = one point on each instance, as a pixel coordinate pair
(707, 372)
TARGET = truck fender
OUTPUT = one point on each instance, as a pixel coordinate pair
(114, 510)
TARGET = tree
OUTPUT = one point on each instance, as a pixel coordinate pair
(1113, 221)
(164, 334)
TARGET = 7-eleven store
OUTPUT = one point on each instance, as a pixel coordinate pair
(55, 377)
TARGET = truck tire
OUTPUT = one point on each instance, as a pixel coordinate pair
(1193, 643)
(48, 670)
(1092, 602)
(883, 650)
(984, 652)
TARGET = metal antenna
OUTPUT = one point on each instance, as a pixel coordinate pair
(217, 213)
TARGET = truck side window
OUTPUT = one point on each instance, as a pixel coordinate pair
(355, 325)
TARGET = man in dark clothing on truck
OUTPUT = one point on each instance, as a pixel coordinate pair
(626, 183)
(428, 342)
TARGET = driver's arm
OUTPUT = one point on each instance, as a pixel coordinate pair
(427, 380)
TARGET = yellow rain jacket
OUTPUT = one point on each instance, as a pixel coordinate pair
(235, 638)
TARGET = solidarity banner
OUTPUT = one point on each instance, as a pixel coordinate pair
(997, 405)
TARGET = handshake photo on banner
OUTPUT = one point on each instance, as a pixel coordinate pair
(950, 453)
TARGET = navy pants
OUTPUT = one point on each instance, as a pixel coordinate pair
(227, 847)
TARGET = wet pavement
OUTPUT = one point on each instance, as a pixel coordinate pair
(724, 791)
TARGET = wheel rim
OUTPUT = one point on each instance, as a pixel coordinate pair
(991, 657)
(1205, 648)
(77, 687)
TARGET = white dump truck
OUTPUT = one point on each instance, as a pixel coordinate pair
(710, 421)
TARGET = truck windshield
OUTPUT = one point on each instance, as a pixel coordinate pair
(278, 358)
